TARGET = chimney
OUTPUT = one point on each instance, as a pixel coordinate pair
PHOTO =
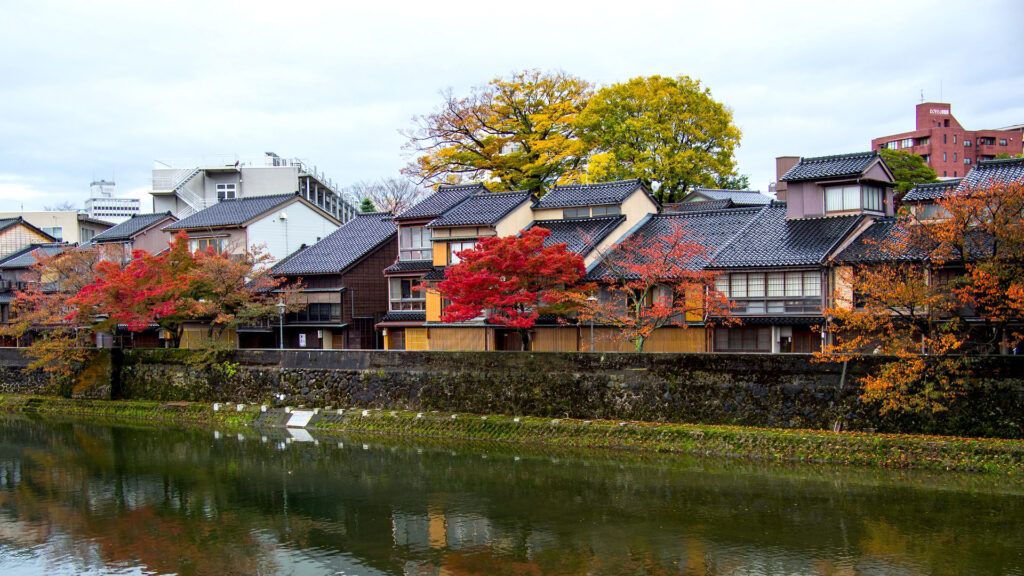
(782, 165)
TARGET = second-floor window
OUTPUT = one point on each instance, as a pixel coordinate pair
(455, 247)
(55, 231)
(853, 197)
(226, 191)
(772, 292)
(414, 243)
(202, 244)
(405, 296)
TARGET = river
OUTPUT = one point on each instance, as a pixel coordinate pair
(81, 498)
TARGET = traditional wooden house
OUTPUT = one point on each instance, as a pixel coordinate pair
(403, 325)
(717, 199)
(140, 232)
(480, 215)
(776, 269)
(16, 234)
(16, 273)
(344, 291)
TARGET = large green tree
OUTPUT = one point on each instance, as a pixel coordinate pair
(517, 133)
(908, 169)
(668, 131)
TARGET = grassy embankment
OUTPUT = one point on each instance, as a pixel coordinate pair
(901, 451)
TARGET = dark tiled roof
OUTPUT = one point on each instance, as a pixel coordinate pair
(405, 316)
(134, 225)
(931, 190)
(588, 194)
(409, 266)
(698, 206)
(435, 274)
(441, 201)
(824, 167)
(994, 171)
(772, 240)
(712, 229)
(27, 256)
(231, 212)
(343, 247)
(869, 245)
(481, 209)
(738, 197)
(580, 235)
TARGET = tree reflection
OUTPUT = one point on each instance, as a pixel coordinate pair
(182, 501)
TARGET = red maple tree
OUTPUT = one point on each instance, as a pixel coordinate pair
(511, 281)
(649, 281)
(176, 286)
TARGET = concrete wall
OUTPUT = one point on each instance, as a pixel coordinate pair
(758, 390)
(269, 180)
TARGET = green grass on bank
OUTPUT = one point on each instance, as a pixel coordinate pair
(896, 451)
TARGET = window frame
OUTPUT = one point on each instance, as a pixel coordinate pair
(200, 244)
(417, 299)
(225, 187)
(786, 292)
(463, 245)
(407, 236)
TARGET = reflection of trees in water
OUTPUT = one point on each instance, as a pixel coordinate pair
(180, 501)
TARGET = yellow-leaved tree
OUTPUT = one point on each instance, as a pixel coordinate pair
(517, 133)
(668, 131)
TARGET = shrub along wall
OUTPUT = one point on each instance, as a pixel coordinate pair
(785, 391)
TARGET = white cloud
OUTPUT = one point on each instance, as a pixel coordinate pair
(16, 190)
(115, 85)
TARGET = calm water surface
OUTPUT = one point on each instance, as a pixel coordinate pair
(79, 498)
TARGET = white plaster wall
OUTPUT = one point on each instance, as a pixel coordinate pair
(280, 238)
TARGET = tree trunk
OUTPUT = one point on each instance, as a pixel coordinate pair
(524, 337)
(639, 342)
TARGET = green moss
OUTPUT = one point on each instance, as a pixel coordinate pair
(129, 410)
(1005, 457)
(900, 451)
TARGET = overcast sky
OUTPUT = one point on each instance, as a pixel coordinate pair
(99, 90)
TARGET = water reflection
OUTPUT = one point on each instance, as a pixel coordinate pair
(84, 499)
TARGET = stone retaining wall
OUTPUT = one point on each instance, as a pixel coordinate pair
(16, 379)
(754, 390)
(787, 391)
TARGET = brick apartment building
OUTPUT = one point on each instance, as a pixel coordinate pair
(949, 148)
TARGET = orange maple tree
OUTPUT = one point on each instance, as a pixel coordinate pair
(914, 300)
(40, 310)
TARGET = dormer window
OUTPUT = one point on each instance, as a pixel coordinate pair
(853, 197)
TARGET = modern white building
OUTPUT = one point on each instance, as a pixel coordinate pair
(188, 188)
(102, 205)
(278, 225)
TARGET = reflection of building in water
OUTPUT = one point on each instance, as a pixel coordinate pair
(437, 530)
